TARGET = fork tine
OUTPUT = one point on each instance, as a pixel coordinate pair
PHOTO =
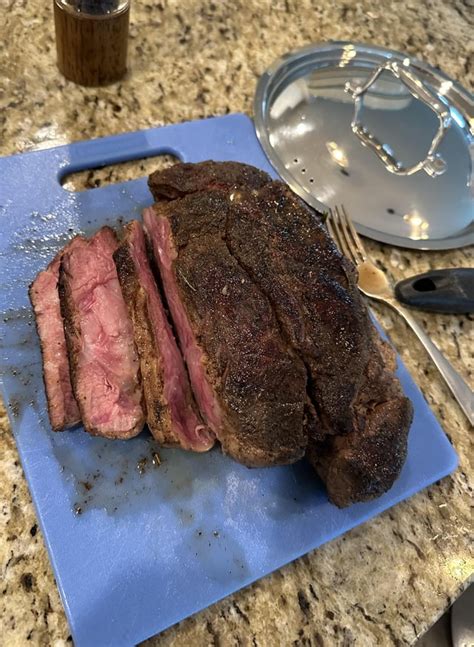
(330, 226)
(348, 247)
(341, 239)
(352, 233)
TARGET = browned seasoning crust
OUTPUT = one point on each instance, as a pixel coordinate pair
(365, 463)
(182, 179)
(359, 446)
(312, 287)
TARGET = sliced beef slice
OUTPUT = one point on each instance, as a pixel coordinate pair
(181, 179)
(104, 365)
(287, 251)
(171, 411)
(62, 406)
(250, 386)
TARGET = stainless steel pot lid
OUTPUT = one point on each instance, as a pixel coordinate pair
(388, 136)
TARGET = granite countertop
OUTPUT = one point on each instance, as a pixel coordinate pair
(387, 581)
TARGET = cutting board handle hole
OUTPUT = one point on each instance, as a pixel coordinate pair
(93, 178)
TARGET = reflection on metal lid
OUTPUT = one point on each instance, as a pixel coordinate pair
(337, 154)
(418, 226)
(348, 53)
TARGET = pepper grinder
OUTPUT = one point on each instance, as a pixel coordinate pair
(91, 39)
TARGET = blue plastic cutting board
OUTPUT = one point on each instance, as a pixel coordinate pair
(152, 544)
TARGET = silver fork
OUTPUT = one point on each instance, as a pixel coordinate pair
(375, 284)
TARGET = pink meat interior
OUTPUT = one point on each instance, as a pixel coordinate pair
(158, 230)
(185, 423)
(63, 409)
(107, 370)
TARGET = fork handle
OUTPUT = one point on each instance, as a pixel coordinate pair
(459, 388)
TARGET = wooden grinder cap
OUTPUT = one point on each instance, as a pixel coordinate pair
(91, 40)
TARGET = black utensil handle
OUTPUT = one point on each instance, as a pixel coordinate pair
(449, 291)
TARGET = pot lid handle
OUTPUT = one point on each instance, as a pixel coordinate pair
(433, 164)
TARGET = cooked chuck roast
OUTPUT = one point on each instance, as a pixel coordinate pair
(172, 415)
(104, 364)
(248, 382)
(62, 406)
(282, 357)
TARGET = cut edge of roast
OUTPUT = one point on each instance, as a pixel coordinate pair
(172, 415)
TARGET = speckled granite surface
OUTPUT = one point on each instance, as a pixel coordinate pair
(383, 583)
